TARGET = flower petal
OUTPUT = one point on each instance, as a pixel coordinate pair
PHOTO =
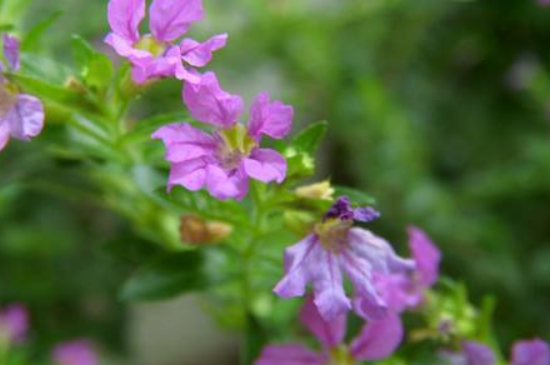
(4, 134)
(11, 51)
(191, 174)
(426, 256)
(478, 354)
(170, 19)
(200, 54)
(208, 103)
(293, 284)
(15, 320)
(398, 291)
(271, 118)
(329, 333)
(326, 280)
(265, 165)
(291, 354)
(124, 18)
(224, 184)
(79, 352)
(185, 142)
(377, 251)
(124, 48)
(533, 352)
(378, 339)
(26, 118)
(368, 303)
(145, 69)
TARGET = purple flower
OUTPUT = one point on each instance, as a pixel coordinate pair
(14, 323)
(21, 115)
(544, 2)
(78, 352)
(157, 54)
(377, 340)
(335, 247)
(531, 352)
(406, 290)
(225, 160)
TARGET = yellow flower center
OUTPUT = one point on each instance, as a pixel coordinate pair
(341, 356)
(151, 45)
(235, 144)
(333, 233)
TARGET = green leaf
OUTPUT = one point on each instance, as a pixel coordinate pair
(167, 276)
(46, 90)
(256, 337)
(99, 73)
(356, 196)
(308, 140)
(300, 153)
(96, 69)
(33, 36)
(202, 204)
(83, 52)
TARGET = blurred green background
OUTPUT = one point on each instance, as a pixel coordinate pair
(438, 108)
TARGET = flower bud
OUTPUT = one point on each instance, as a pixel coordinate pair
(299, 222)
(321, 190)
(195, 230)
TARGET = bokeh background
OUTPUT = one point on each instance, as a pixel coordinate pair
(438, 108)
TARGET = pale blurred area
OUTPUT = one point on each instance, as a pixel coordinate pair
(176, 332)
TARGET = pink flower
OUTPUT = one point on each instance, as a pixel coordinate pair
(544, 2)
(78, 352)
(406, 290)
(14, 323)
(377, 340)
(157, 55)
(225, 160)
(530, 352)
(335, 247)
(21, 115)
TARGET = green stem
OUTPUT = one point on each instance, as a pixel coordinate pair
(253, 333)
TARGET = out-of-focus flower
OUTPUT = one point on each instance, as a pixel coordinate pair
(21, 115)
(525, 352)
(335, 246)
(225, 161)
(321, 190)
(157, 54)
(377, 340)
(544, 2)
(14, 323)
(406, 290)
(196, 231)
(78, 352)
(530, 352)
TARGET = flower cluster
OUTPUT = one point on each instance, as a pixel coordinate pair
(224, 159)
(21, 115)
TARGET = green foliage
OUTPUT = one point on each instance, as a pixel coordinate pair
(36, 33)
(167, 276)
(300, 151)
(432, 117)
